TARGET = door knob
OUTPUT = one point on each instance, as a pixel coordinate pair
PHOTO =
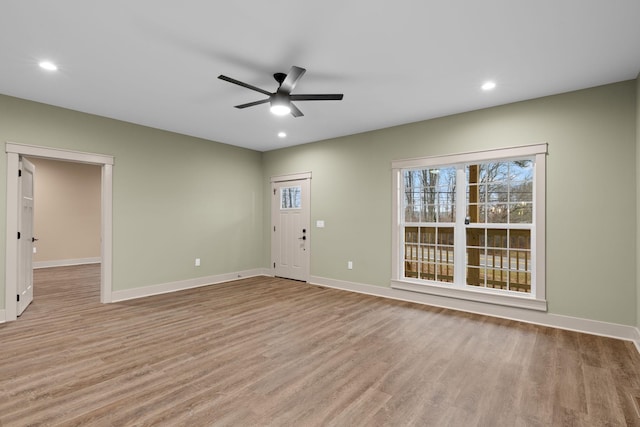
(302, 238)
(33, 239)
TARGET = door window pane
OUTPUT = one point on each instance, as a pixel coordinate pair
(290, 197)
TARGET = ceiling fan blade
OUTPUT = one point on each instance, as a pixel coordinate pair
(319, 97)
(295, 111)
(295, 73)
(251, 104)
(239, 83)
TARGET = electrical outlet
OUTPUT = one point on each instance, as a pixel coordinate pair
(350, 265)
(197, 262)
(34, 250)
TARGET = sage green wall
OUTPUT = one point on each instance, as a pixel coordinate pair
(591, 192)
(175, 197)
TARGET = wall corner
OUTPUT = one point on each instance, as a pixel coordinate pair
(637, 230)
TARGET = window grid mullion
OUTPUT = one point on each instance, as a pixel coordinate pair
(460, 237)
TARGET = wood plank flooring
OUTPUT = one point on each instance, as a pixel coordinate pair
(272, 352)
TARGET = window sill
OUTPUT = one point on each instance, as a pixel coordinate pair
(484, 296)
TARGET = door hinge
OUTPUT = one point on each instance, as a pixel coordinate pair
(18, 234)
(19, 172)
(274, 265)
(18, 297)
(274, 191)
(274, 228)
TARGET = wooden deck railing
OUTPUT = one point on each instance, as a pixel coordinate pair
(498, 259)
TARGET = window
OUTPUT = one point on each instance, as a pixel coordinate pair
(290, 197)
(429, 215)
(499, 220)
(471, 226)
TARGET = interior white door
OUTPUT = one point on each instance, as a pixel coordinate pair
(291, 232)
(25, 235)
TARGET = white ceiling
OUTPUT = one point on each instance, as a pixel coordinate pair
(156, 63)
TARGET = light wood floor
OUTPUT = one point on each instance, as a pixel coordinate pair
(267, 351)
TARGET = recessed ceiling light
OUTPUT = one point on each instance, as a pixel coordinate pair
(489, 86)
(282, 134)
(48, 65)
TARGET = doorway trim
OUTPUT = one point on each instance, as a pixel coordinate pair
(14, 152)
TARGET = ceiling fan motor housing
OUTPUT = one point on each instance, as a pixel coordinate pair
(281, 98)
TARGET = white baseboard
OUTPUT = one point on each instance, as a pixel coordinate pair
(636, 339)
(66, 262)
(3, 316)
(594, 327)
(181, 285)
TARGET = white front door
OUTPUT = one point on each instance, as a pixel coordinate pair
(25, 235)
(291, 233)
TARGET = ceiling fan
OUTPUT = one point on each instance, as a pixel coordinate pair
(280, 100)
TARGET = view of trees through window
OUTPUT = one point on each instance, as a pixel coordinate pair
(499, 193)
(498, 210)
(290, 197)
(430, 201)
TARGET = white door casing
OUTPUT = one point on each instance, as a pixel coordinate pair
(14, 151)
(290, 220)
(25, 236)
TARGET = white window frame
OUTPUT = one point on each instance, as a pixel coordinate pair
(536, 300)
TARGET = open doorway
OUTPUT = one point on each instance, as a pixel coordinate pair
(66, 229)
(14, 154)
(67, 213)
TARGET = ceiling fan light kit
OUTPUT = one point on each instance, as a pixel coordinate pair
(280, 100)
(280, 105)
(280, 110)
